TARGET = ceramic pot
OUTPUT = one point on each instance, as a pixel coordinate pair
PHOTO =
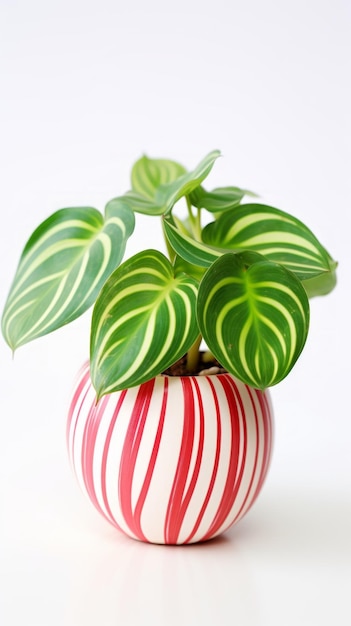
(175, 460)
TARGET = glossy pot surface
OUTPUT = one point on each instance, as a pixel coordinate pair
(175, 460)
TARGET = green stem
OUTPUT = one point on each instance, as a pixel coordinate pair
(193, 355)
(198, 224)
(195, 220)
(171, 252)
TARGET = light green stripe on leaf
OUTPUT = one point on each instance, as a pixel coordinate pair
(192, 251)
(218, 200)
(148, 174)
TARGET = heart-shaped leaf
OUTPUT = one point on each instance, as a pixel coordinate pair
(149, 174)
(143, 321)
(254, 317)
(62, 269)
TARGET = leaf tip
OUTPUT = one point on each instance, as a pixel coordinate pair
(99, 395)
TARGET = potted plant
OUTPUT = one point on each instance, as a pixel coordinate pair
(172, 443)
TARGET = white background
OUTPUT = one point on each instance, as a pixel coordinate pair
(86, 88)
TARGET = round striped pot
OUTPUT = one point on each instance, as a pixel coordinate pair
(175, 460)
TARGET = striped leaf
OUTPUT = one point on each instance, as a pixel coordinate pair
(138, 203)
(277, 235)
(254, 317)
(143, 321)
(322, 284)
(183, 267)
(189, 249)
(168, 195)
(218, 200)
(62, 269)
(155, 192)
(149, 174)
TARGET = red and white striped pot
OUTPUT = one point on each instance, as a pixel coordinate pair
(175, 460)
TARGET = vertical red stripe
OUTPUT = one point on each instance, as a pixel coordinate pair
(173, 519)
(106, 450)
(83, 379)
(93, 420)
(197, 465)
(130, 453)
(215, 464)
(233, 479)
(150, 470)
(267, 441)
(254, 470)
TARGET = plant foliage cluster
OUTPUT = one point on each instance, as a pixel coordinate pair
(242, 282)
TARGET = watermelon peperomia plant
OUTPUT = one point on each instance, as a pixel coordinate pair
(241, 282)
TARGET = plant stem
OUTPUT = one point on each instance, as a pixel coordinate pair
(171, 252)
(195, 220)
(193, 355)
(198, 224)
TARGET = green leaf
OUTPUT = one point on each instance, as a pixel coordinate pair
(322, 284)
(138, 203)
(143, 321)
(192, 251)
(183, 267)
(149, 174)
(254, 317)
(218, 200)
(148, 198)
(62, 269)
(277, 235)
(168, 195)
